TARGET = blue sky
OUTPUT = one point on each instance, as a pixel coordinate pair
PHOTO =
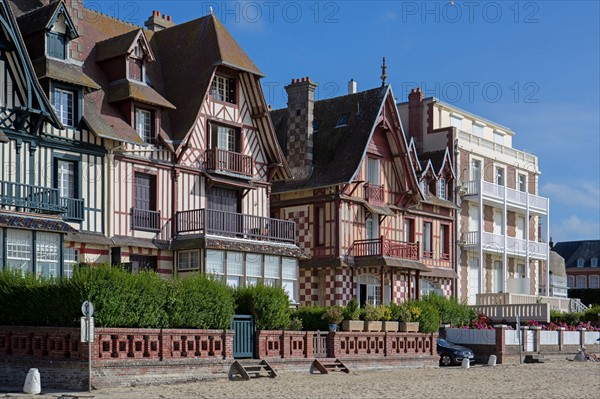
(533, 66)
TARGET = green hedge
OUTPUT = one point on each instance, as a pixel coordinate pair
(588, 296)
(120, 298)
(312, 318)
(450, 310)
(269, 305)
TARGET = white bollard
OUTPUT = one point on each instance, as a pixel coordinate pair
(32, 385)
(492, 360)
(466, 363)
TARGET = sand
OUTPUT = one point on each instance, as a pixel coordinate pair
(557, 378)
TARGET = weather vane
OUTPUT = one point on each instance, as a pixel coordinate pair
(383, 73)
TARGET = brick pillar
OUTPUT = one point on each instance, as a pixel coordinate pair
(537, 335)
(500, 348)
(228, 344)
(581, 337)
(260, 345)
(309, 349)
(333, 345)
(561, 338)
(286, 344)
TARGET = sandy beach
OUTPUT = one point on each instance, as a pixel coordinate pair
(557, 378)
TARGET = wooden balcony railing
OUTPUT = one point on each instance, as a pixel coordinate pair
(373, 193)
(227, 161)
(73, 208)
(210, 221)
(30, 198)
(384, 247)
(145, 220)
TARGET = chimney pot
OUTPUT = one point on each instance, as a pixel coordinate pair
(352, 86)
(168, 18)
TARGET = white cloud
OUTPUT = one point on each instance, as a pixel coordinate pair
(573, 228)
(586, 194)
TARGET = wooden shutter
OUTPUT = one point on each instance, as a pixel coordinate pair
(144, 192)
(223, 199)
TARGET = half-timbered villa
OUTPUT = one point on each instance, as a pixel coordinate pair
(373, 230)
(190, 149)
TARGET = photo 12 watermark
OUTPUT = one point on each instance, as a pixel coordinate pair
(325, 12)
(473, 91)
(455, 11)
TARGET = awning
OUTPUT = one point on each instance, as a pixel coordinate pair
(35, 223)
(124, 241)
(440, 272)
(90, 238)
(229, 181)
(399, 263)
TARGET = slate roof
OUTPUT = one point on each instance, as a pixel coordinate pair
(36, 19)
(571, 251)
(115, 46)
(337, 151)
(141, 92)
(63, 72)
(34, 223)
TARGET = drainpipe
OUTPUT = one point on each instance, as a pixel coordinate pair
(108, 203)
(456, 218)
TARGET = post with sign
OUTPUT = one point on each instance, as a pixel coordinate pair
(519, 333)
(87, 334)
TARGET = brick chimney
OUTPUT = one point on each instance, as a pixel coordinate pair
(158, 22)
(301, 102)
(415, 116)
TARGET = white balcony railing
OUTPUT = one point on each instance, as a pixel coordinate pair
(517, 155)
(513, 197)
(491, 242)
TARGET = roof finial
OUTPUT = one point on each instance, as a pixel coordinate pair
(210, 10)
(383, 73)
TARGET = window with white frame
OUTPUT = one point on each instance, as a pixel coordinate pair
(570, 282)
(428, 287)
(47, 254)
(253, 268)
(520, 270)
(456, 121)
(223, 89)
(66, 175)
(581, 282)
(499, 176)
(442, 188)
(71, 258)
(478, 129)
(215, 262)
(373, 171)
(19, 250)
(272, 271)
(594, 262)
(235, 268)
(143, 125)
(475, 170)
(499, 137)
(594, 282)
(188, 260)
(223, 137)
(580, 262)
(498, 222)
(289, 277)
(370, 289)
(372, 227)
(522, 183)
(427, 240)
(64, 105)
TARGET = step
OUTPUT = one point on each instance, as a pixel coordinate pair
(325, 366)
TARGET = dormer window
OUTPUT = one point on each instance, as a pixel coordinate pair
(580, 262)
(59, 31)
(442, 188)
(223, 89)
(144, 125)
(343, 120)
(136, 64)
(57, 45)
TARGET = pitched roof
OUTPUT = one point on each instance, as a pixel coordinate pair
(105, 121)
(141, 92)
(63, 72)
(36, 19)
(115, 46)
(571, 251)
(337, 151)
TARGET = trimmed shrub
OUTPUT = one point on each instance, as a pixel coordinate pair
(450, 310)
(352, 310)
(312, 318)
(371, 313)
(592, 314)
(269, 306)
(333, 314)
(429, 319)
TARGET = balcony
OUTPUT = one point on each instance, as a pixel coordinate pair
(491, 242)
(374, 193)
(73, 207)
(513, 197)
(145, 220)
(512, 155)
(384, 247)
(26, 197)
(221, 160)
(238, 225)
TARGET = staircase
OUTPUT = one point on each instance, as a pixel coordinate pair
(326, 365)
(252, 369)
(575, 305)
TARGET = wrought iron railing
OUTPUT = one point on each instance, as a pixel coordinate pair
(145, 220)
(384, 247)
(228, 161)
(210, 221)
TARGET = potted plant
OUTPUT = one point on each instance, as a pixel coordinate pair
(372, 317)
(405, 316)
(387, 324)
(333, 315)
(352, 320)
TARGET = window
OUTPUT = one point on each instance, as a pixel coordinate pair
(594, 282)
(409, 230)
(188, 260)
(369, 290)
(522, 183)
(520, 227)
(144, 125)
(319, 226)
(66, 178)
(224, 138)
(215, 262)
(581, 282)
(289, 275)
(144, 196)
(142, 262)
(343, 120)
(47, 254)
(475, 170)
(499, 176)
(594, 262)
(428, 287)
(442, 188)
(498, 137)
(373, 172)
(478, 129)
(71, 258)
(372, 227)
(520, 270)
(223, 89)
(253, 268)
(445, 241)
(427, 251)
(570, 281)
(424, 188)
(498, 276)
(456, 121)
(56, 45)
(64, 105)
(272, 273)
(498, 222)
(136, 69)
(580, 262)
(235, 268)
(19, 250)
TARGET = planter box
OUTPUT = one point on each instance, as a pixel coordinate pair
(353, 325)
(412, 326)
(391, 326)
(372, 325)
